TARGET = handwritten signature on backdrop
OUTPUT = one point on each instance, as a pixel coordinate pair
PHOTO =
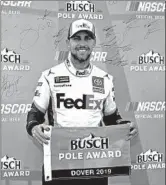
(115, 42)
(9, 85)
(30, 35)
(119, 43)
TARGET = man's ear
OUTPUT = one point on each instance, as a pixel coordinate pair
(67, 43)
(94, 44)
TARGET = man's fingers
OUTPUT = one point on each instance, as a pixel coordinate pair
(132, 134)
(41, 133)
(129, 138)
(131, 124)
(43, 136)
(45, 127)
(35, 135)
(40, 138)
(121, 121)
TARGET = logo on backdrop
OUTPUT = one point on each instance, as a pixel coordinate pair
(151, 62)
(142, 6)
(147, 109)
(154, 9)
(96, 56)
(80, 10)
(13, 112)
(11, 61)
(16, 3)
(12, 167)
(13, 10)
(150, 160)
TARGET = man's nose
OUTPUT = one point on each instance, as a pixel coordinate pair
(83, 43)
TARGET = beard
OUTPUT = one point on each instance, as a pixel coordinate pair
(80, 59)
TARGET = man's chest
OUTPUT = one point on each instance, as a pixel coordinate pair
(81, 93)
(78, 85)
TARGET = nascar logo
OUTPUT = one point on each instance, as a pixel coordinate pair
(16, 3)
(142, 6)
(146, 106)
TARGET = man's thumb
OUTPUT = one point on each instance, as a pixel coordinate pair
(46, 127)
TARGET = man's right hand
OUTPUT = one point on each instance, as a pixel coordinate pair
(38, 133)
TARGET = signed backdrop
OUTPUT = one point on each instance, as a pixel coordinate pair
(130, 46)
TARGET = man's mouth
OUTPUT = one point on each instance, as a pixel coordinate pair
(82, 50)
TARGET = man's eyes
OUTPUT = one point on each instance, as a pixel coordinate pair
(86, 38)
(76, 38)
(89, 38)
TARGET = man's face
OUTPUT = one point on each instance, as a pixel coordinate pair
(81, 46)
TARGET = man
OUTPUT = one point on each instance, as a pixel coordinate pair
(75, 93)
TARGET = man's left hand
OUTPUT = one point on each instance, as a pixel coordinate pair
(133, 128)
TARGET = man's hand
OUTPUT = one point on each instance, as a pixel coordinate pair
(38, 133)
(133, 128)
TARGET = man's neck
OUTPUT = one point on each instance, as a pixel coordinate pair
(80, 65)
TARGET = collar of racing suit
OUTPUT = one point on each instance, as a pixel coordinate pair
(78, 72)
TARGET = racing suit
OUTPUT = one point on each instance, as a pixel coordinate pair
(74, 98)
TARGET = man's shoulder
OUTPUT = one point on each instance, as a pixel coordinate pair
(55, 69)
(101, 73)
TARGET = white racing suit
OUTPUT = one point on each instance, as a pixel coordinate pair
(74, 98)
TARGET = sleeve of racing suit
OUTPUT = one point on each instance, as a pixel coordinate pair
(40, 104)
(111, 115)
